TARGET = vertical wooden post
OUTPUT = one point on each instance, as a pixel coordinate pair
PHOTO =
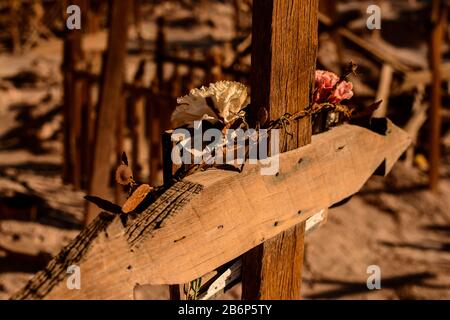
(119, 196)
(284, 53)
(84, 133)
(72, 104)
(87, 129)
(109, 103)
(159, 52)
(438, 21)
(138, 123)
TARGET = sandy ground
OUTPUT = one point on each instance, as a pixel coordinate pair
(393, 223)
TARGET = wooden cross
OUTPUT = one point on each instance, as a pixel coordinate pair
(284, 50)
(212, 218)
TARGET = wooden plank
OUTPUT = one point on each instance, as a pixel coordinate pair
(109, 104)
(226, 278)
(213, 217)
(282, 31)
(232, 275)
(176, 291)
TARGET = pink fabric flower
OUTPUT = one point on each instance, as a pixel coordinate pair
(324, 83)
(343, 91)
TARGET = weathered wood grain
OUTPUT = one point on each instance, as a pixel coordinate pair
(284, 51)
(231, 275)
(215, 216)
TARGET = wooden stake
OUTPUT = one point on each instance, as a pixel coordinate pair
(137, 130)
(284, 53)
(88, 130)
(438, 21)
(109, 104)
(72, 105)
(384, 89)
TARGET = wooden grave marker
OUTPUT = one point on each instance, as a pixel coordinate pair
(210, 219)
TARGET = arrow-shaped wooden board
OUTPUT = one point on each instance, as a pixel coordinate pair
(214, 216)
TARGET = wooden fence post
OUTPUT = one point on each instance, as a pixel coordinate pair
(438, 22)
(284, 53)
(109, 104)
(73, 54)
(88, 129)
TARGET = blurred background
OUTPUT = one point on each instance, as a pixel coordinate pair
(118, 78)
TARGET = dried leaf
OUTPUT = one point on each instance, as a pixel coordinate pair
(136, 198)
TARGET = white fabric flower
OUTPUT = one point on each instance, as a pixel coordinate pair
(228, 97)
